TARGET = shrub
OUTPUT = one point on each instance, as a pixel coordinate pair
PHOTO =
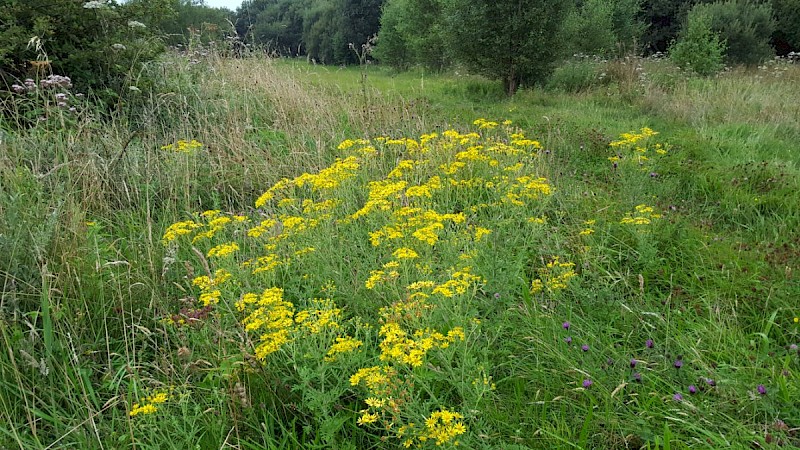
(744, 25)
(698, 49)
(99, 45)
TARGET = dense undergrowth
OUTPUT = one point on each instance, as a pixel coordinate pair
(279, 255)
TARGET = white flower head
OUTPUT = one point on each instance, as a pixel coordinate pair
(118, 47)
(136, 24)
(95, 4)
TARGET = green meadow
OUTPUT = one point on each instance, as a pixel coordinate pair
(281, 255)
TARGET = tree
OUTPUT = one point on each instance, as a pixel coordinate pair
(513, 41)
(787, 33)
(746, 26)
(603, 27)
(411, 33)
(393, 47)
(193, 20)
(664, 19)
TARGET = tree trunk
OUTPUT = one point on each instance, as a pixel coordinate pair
(511, 83)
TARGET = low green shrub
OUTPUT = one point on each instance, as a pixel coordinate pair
(698, 49)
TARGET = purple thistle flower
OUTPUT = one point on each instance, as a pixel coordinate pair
(793, 347)
(566, 325)
(761, 389)
(692, 389)
(711, 382)
(587, 382)
(649, 343)
(568, 339)
(677, 397)
(637, 377)
(497, 296)
(678, 363)
(585, 347)
(633, 363)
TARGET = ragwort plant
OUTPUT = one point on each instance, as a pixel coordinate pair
(370, 268)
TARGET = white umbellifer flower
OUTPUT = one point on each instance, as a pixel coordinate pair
(136, 24)
(94, 4)
(118, 47)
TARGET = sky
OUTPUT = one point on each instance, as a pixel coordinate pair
(230, 4)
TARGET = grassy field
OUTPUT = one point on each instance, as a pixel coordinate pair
(273, 255)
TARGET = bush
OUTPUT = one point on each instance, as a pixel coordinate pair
(698, 48)
(746, 27)
(100, 46)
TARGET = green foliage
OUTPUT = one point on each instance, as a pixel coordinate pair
(515, 42)
(607, 28)
(746, 26)
(411, 32)
(100, 46)
(699, 48)
(664, 19)
(322, 30)
(193, 23)
(787, 30)
(393, 47)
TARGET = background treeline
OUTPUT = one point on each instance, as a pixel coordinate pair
(516, 41)
(419, 31)
(104, 45)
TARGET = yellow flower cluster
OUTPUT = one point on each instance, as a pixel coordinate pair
(205, 283)
(179, 229)
(183, 146)
(148, 406)
(405, 253)
(643, 215)
(399, 346)
(634, 142)
(215, 222)
(631, 138)
(459, 282)
(326, 179)
(554, 276)
(271, 316)
(485, 124)
(342, 345)
(424, 225)
(223, 250)
(323, 314)
(443, 426)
